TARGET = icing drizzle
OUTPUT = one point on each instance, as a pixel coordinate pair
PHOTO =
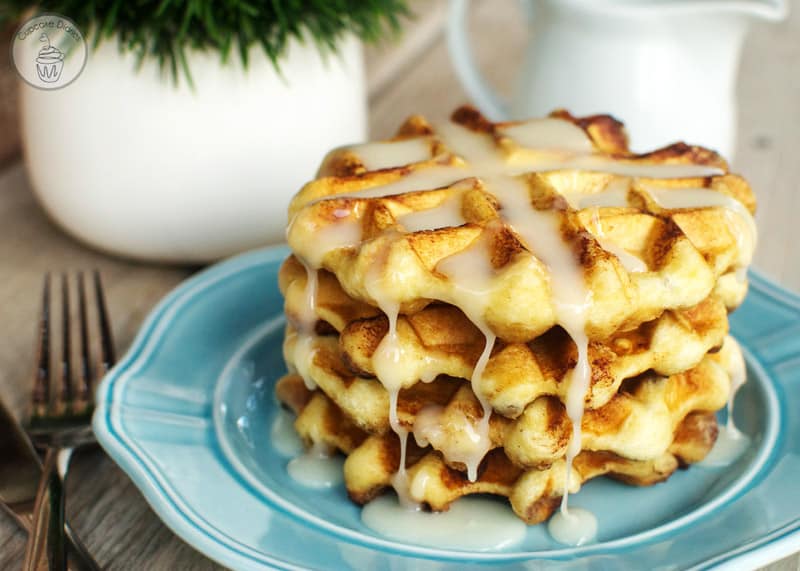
(565, 146)
(731, 442)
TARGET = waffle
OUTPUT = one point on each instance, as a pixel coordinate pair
(682, 251)
(638, 422)
(372, 460)
(441, 340)
(478, 307)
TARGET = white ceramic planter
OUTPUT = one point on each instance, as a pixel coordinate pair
(132, 164)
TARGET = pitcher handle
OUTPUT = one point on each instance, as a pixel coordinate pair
(476, 86)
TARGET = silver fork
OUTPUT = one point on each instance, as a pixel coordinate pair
(61, 422)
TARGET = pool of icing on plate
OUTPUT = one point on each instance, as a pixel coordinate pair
(575, 526)
(471, 523)
(318, 467)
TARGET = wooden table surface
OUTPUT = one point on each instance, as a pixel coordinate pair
(410, 76)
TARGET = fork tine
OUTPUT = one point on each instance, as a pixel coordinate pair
(66, 346)
(84, 387)
(106, 340)
(40, 396)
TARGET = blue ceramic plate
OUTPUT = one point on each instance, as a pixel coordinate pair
(188, 413)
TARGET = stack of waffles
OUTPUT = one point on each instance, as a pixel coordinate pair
(513, 309)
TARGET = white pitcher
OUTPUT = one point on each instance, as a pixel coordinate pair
(666, 68)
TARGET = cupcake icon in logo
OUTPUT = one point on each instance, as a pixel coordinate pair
(49, 51)
(49, 62)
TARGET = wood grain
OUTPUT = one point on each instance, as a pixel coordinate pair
(410, 76)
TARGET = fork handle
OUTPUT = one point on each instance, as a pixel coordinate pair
(46, 548)
(78, 556)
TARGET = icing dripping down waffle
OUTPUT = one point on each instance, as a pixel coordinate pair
(505, 303)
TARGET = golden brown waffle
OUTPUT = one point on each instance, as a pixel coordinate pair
(522, 299)
(441, 340)
(534, 493)
(684, 250)
(638, 422)
(333, 307)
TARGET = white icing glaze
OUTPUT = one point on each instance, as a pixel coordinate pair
(445, 215)
(574, 527)
(319, 467)
(550, 134)
(628, 260)
(308, 317)
(418, 486)
(477, 148)
(382, 155)
(471, 274)
(484, 442)
(488, 164)
(342, 234)
(540, 231)
(615, 195)
(730, 445)
(641, 170)
(304, 350)
(283, 436)
(428, 426)
(390, 352)
(385, 360)
(424, 179)
(738, 372)
(731, 442)
(455, 436)
(475, 524)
